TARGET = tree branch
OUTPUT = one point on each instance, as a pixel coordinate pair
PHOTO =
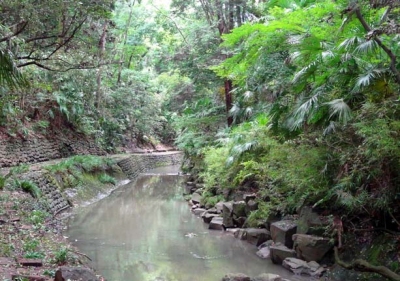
(78, 66)
(364, 266)
(19, 30)
(393, 59)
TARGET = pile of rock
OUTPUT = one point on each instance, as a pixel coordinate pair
(293, 242)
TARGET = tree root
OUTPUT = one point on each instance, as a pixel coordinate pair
(364, 266)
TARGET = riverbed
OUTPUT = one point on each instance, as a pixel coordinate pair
(144, 231)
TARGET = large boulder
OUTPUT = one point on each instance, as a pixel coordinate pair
(240, 221)
(310, 222)
(311, 248)
(282, 232)
(280, 252)
(264, 253)
(198, 211)
(196, 198)
(216, 223)
(219, 207)
(227, 209)
(299, 267)
(239, 209)
(65, 273)
(255, 236)
(236, 277)
(207, 216)
(251, 205)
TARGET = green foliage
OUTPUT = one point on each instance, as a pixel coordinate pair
(258, 217)
(37, 217)
(29, 186)
(216, 172)
(31, 246)
(34, 255)
(104, 178)
(61, 256)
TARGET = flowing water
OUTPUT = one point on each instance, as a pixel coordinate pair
(144, 231)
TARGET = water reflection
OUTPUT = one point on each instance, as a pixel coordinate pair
(144, 232)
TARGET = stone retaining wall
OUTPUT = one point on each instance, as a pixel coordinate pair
(131, 166)
(15, 152)
(137, 164)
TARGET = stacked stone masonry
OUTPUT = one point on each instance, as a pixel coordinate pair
(15, 152)
(137, 164)
(50, 191)
(132, 166)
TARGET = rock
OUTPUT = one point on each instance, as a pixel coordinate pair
(213, 210)
(236, 277)
(216, 223)
(239, 222)
(239, 209)
(251, 206)
(232, 231)
(281, 252)
(75, 273)
(269, 277)
(299, 267)
(257, 236)
(227, 214)
(282, 232)
(196, 198)
(198, 211)
(264, 253)
(268, 243)
(311, 248)
(207, 217)
(248, 197)
(219, 207)
(272, 217)
(309, 222)
(241, 234)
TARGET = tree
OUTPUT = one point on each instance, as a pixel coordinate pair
(45, 34)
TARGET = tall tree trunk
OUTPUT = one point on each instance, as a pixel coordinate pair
(102, 48)
(125, 40)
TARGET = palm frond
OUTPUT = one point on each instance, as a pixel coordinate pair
(339, 108)
(366, 47)
(350, 43)
(305, 72)
(366, 79)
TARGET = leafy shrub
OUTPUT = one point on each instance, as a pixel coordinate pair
(104, 178)
(29, 186)
(61, 255)
(34, 255)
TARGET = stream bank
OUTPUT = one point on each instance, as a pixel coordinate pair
(31, 221)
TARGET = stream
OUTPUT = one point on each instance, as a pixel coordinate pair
(144, 231)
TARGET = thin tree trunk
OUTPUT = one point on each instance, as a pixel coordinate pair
(102, 48)
(125, 40)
